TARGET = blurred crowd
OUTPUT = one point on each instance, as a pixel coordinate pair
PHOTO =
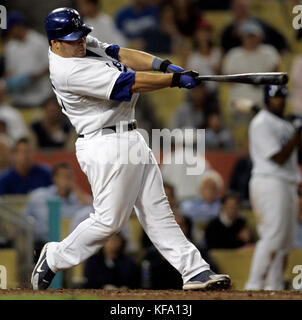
(209, 210)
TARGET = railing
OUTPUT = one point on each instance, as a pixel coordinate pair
(16, 232)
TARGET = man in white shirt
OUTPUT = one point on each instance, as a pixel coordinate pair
(15, 125)
(97, 89)
(63, 189)
(273, 189)
(251, 56)
(26, 55)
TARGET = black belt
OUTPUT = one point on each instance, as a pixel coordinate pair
(131, 126)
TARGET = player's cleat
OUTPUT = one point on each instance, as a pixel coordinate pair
(42, 275)
(208, 280)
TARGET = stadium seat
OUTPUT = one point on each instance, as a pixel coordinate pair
(237, 262)
(8, 259)
(16, 202)
(234, 262)
(295, 258)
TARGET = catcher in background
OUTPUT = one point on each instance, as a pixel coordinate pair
(274, 143)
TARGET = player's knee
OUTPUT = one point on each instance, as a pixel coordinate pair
(111, 224)
(274, 244)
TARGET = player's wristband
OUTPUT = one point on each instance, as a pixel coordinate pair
(175, 79)
(160, 64)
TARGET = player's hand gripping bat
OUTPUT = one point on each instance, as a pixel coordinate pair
(276, 78)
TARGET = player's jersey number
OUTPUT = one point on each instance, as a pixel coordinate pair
(118, 65)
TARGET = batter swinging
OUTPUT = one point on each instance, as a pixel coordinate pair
(97, 87)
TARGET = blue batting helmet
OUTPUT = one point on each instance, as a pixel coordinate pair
(274, 91)
(66, 24)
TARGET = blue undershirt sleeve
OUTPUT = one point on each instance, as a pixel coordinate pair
(112, 51)
(121, 90)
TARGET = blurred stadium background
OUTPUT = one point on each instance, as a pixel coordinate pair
(161, 109)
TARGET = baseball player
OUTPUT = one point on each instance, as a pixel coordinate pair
(97, 86)
(273, 189)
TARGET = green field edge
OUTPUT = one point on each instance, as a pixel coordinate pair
(49, 297)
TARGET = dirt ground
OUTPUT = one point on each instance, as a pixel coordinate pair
(126, 294)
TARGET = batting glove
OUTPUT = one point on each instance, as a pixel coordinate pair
(185, 79)
(165, 66)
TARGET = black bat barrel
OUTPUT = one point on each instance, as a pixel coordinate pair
(277, 78)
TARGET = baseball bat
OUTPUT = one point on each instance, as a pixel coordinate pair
(276, 78)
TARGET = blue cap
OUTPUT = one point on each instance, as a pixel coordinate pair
(66, 24)
(14, 18)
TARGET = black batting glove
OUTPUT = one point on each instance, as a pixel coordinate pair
(186, 79)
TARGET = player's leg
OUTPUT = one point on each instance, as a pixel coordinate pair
(275, 277)
(267, 198)
(115, 187)
(157, 219)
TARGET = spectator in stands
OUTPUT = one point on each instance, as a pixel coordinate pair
(157, 273)
(205, 57)
(136, 18)
(241, 175)
(170, 193)
(79, 216)
(217, 137)
(14, 123)
(104, 28)
(252, 56)
(193, 112)
(187, 15)
(54, 129)
(229, 230)
(26, 54)
(3, 127)
(207, 205)
(298, 236)
(111, 267)
(5, 152)
(165, 37)
(231, 34)
(295, 76)
(24, 175)
(84, 213)
(145, 115)
(72, 198)
(2, 66)
(183, 170)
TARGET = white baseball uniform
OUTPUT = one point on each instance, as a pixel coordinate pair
(83, 87)
(273, 194)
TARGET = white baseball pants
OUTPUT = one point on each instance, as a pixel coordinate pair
(274, 202)
(117, 189)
